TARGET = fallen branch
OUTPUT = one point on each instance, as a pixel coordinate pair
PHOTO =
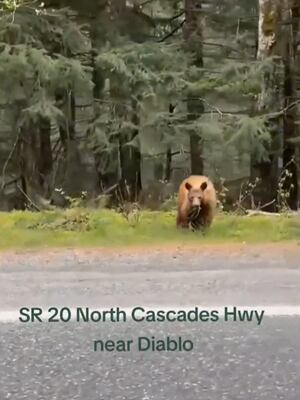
(110, 189)
(28, 198)
(253, 213)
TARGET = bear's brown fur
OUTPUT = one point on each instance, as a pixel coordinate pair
(197, 203)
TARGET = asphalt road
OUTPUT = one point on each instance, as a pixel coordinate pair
(229, 360)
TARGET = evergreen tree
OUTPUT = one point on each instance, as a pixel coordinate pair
(34, 73)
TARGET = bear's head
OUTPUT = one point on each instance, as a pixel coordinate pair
(195, 194)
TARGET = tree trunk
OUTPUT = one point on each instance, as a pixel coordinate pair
(296, 48)
(130, 156)
(108, 167)
(32, 148)
(193, 30)
(290, 183)
(168, 167)
(195, 107)
(117, 8)
(291, 119)
(45, 162)
(130, 161)
(271, 100)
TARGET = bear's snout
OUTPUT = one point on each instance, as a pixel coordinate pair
(196, 202)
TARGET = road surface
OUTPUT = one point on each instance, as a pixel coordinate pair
(229, 360)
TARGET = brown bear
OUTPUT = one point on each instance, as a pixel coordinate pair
(197, 203)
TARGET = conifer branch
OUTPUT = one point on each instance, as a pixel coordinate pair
(145, 3)
(176, 29)
(283, 111)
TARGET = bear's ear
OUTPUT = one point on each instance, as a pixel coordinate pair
(188, 186)
(203, 186)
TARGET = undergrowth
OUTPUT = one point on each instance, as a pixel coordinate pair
(81, 227)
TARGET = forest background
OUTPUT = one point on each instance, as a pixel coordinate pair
(114, 101)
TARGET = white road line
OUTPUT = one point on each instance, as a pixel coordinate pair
(12, 316)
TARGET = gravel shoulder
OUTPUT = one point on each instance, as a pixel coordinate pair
(290, 251)
(176, 276)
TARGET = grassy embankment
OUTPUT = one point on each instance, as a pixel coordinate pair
(82, 228)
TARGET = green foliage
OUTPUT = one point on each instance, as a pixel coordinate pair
(33, 77)
(252, 132)
(73, 221)
(166, 71)
(139, 69)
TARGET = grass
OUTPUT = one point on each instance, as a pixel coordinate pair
(105, 228)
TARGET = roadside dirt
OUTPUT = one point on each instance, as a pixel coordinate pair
(50, 256)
